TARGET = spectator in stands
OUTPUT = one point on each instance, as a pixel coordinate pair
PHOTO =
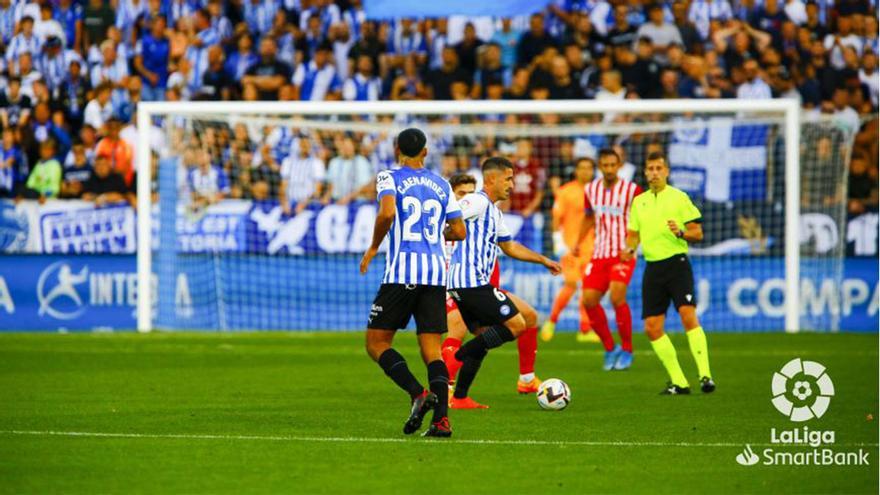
(216, 83)
(42, 128)
(266, 171)
(23, 42)
(73, 95)
(409, 85)
(528, 180)
(44, 180)
(29, 75)
(117, 151)
(98, 16)
(659, 32)
(868, 77)
(623, 33)
(507, 39)
(242, 58)
(15, 107)
(754, 87)
(302, 177)
(13, 166)
(316, 80)
(151, 60)
(208, 183)
(47, 27)
(268, 75)
(690, 37)
(703, 12)
(74, 177)
(363, 85)
(862, 187)
(467, 49)
(99, 109)
(112, 69)
(105, 185)
(491, 71)
(844, 116)
(439, 82)
(534, 41)
(349, 175)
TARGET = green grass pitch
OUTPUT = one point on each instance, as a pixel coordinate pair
(310, 413)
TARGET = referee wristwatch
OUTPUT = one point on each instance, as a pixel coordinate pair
(680, 234)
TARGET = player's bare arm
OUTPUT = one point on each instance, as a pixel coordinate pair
(517, 251)
(632, 243)
(455, 230)
(693, 231)
(384, 220)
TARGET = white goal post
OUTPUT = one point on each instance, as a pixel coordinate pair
(147, 111)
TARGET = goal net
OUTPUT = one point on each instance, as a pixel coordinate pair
(259, 212)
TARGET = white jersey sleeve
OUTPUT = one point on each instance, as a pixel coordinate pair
(384, 184)
(504, 234)
(473, 205)
(453, 209)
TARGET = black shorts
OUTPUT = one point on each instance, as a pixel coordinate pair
(395, 304)
(483, 306)
(667, 280)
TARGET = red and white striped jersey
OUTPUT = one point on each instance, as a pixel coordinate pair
(611, 209)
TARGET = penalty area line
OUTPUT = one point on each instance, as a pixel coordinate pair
(306, 439)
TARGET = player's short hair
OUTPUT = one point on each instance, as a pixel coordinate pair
(411, 142)
(459, 179)
(656, 155)
(585, 159)
(608, 152)
(496, 163)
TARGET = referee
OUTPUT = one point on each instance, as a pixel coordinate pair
(664, 220)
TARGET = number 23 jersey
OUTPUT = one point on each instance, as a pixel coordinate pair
(424, 203)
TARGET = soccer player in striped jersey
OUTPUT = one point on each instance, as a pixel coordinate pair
(415, 206)
(607, 207)
(494, 316)
(527, 343)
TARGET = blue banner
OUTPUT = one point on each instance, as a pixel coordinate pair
(393, 9)
(88, 292)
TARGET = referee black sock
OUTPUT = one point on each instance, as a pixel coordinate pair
(438, 380)
(490, 339)
(467, 374)
(395, 367)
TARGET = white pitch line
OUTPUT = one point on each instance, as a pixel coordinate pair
(552, 443)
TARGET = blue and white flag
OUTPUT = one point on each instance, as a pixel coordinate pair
(719, 161)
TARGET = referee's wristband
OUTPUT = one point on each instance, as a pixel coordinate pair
(680, 234)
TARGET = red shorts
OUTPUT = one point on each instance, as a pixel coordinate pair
(601, 272)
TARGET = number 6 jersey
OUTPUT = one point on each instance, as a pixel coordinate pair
(424, 203)
(474, 258)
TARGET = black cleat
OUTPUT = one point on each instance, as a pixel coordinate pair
(439, 429)
(672, 389)
(707, 385)
(420, 406)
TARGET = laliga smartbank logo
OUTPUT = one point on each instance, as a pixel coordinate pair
(801, 391)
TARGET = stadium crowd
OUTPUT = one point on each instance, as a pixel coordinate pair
(72, 74)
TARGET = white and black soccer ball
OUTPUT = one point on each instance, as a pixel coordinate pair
(554, 394)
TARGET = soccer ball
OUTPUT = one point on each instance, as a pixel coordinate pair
(554, 394)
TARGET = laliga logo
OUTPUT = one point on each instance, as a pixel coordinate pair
(64, 288)
(802, 390)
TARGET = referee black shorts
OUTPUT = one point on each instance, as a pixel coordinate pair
(667, 280)
(395, 304)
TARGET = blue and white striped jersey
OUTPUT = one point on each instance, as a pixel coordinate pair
(424, 203)
(474, 258)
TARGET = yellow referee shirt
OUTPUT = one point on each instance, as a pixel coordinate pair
(648, 216)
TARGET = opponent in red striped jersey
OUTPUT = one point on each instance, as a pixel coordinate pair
(527, 343)
(607, 206)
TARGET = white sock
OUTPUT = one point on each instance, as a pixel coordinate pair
(527, 377)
